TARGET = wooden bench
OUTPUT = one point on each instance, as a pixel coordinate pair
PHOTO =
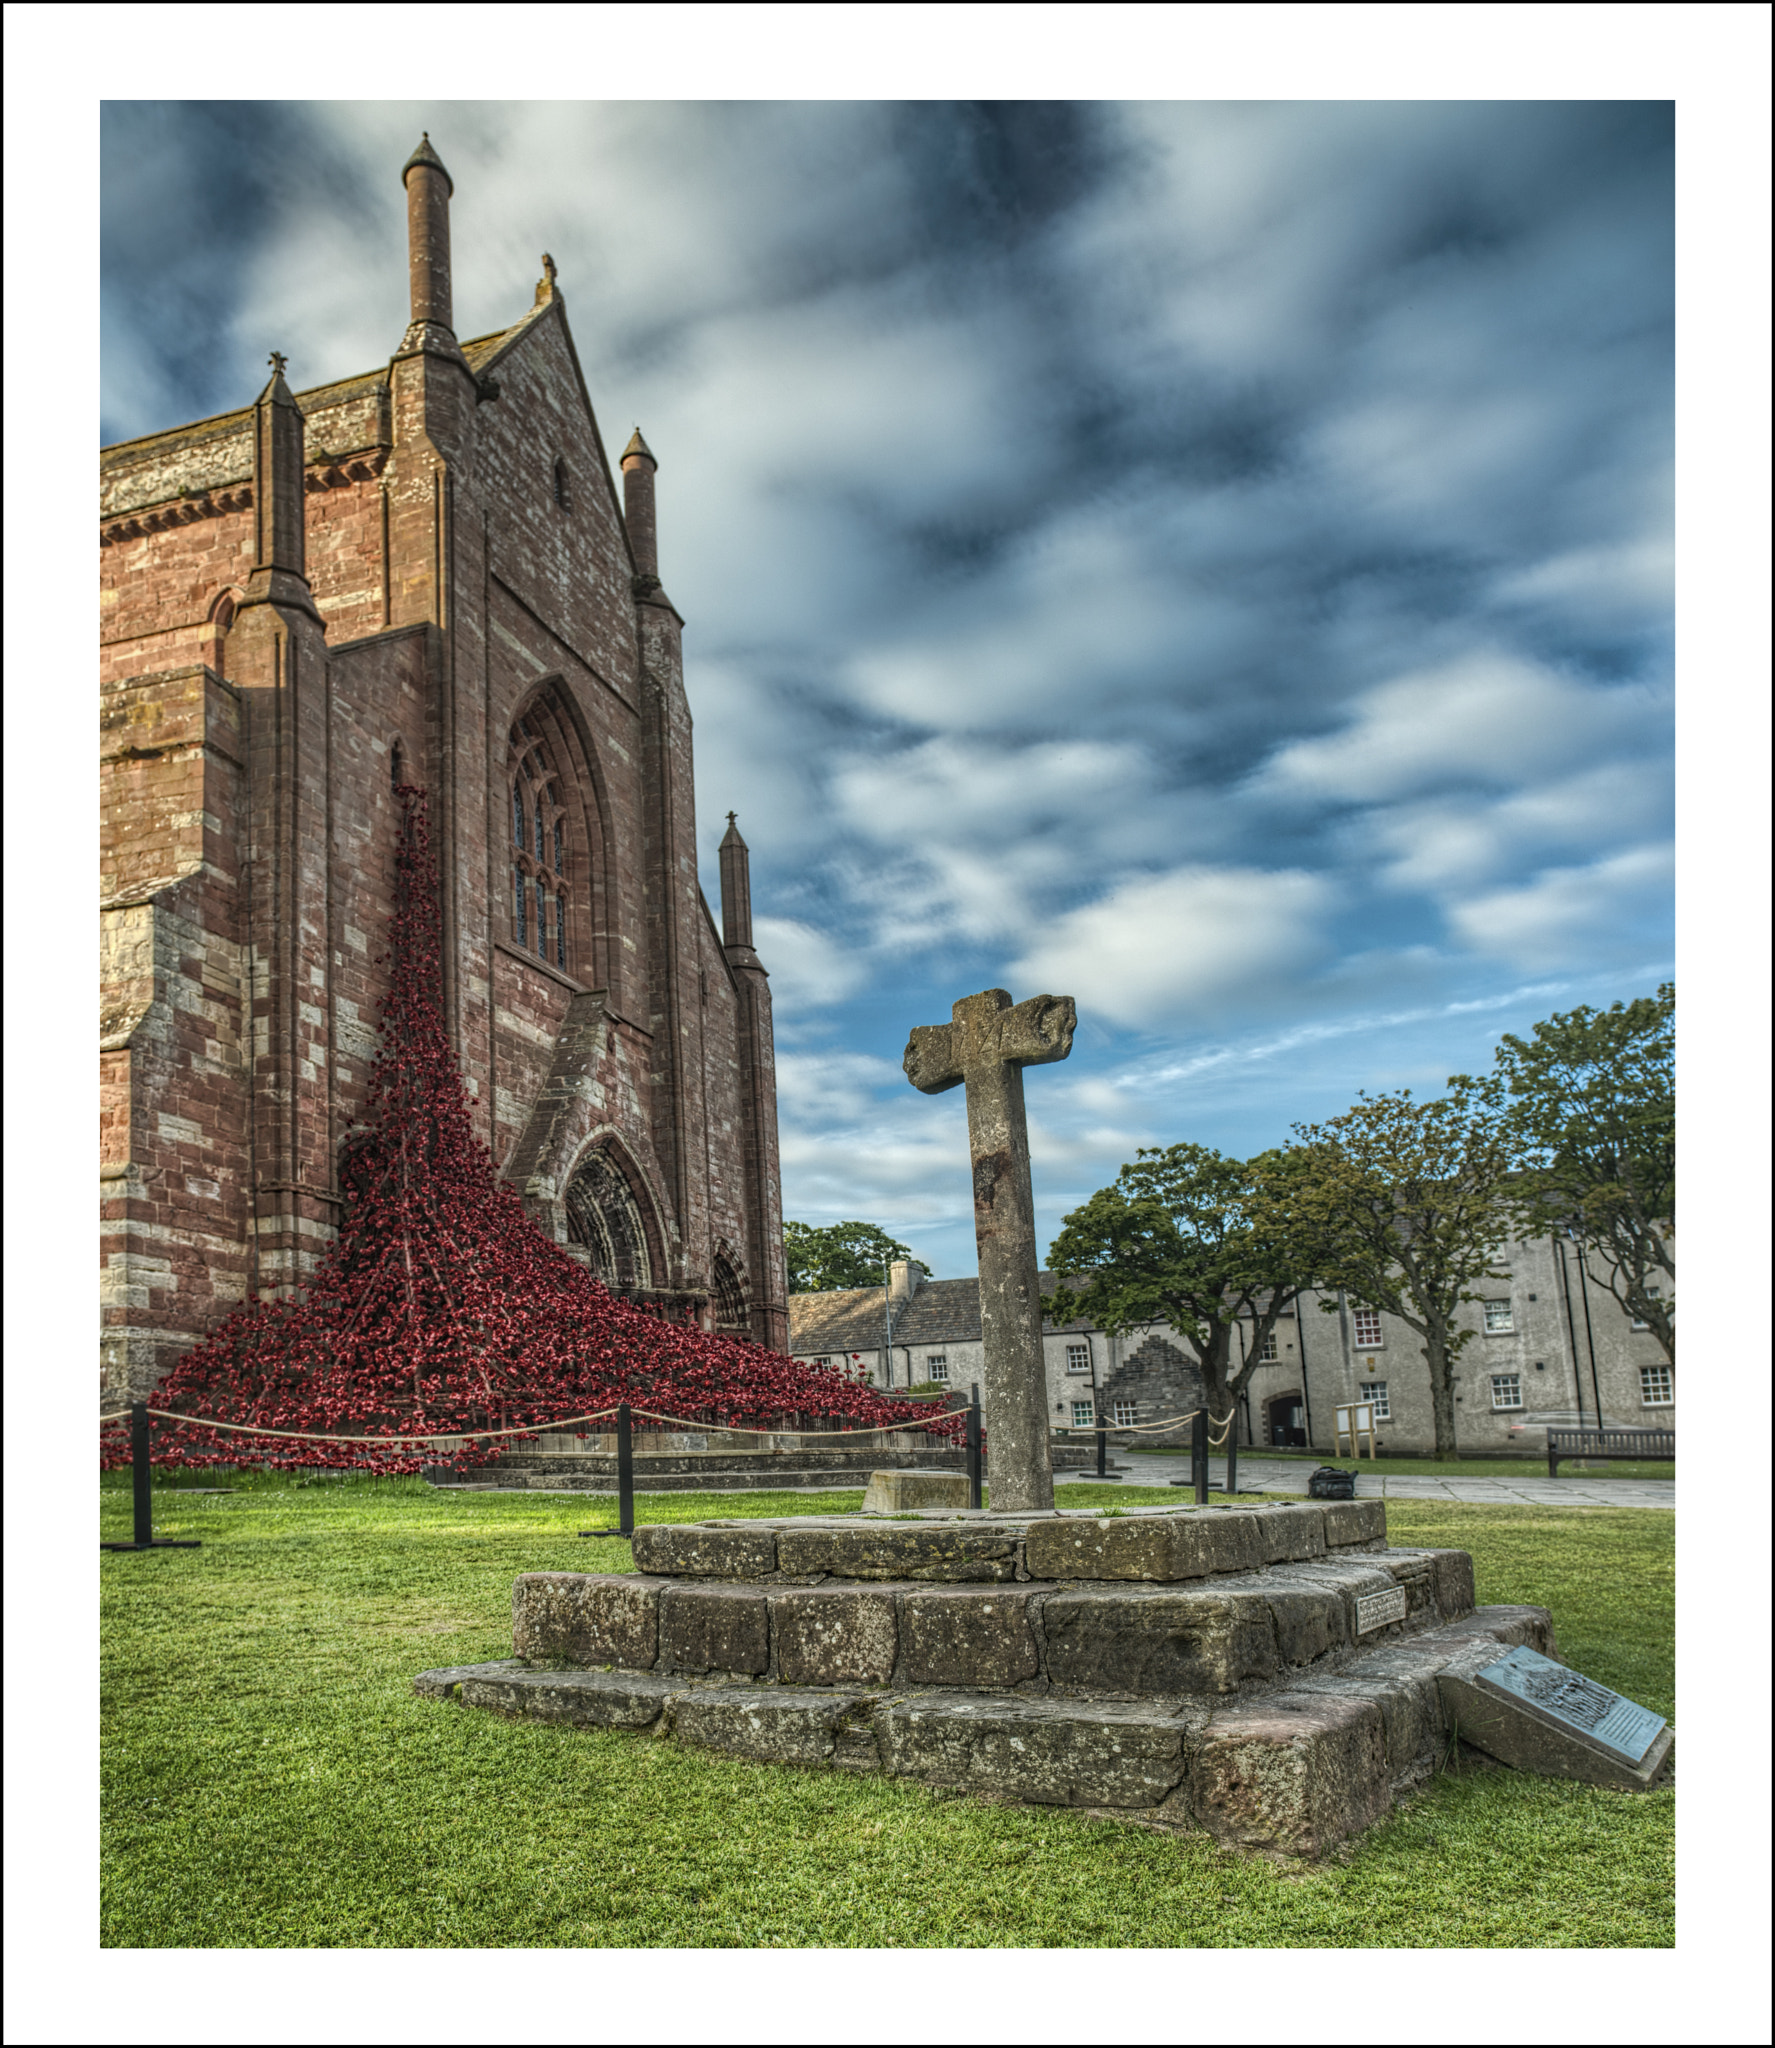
(1614, 1444)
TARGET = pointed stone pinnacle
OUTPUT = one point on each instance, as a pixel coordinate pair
(639, 447)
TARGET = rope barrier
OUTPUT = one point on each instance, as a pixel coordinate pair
(457, 1437)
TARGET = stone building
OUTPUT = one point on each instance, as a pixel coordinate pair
(1141, 1376)
(1551, 1347)
(422, 574)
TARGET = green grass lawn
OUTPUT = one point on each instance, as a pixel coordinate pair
(270, 1781)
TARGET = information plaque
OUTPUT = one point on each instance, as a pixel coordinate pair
(1575, 1702)
(1375, 1610)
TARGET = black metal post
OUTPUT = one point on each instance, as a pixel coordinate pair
(142, 1490)
(1103, 1454)
(1198, 1455)
(625, 1471)
(973, 1445)
(625, 1478)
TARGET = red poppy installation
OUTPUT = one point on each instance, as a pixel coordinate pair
(441, 1308)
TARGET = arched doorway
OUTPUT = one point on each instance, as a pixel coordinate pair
(605, 1218)
(1286, 1416)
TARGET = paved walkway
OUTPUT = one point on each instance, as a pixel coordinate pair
(1258, 1474)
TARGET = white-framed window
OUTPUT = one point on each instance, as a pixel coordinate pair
(1657, 1387)
(1499, 1322)
(1368, 1328)
(1078, 1358)
(1639, 1322)
(822, 1361)
(1506, 1390)
(936, 1368)
(1266, 1351)
(1376, 1391)
(1083, 1415)
(1125, 1414)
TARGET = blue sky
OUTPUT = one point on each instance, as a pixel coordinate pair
(1212, 560)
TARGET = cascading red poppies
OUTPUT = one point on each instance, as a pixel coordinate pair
(441, 1307)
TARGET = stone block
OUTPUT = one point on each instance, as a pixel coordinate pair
(1146, 1640)
(1532, 1627)
(696, 1550)
(586, 1618)
(1354, 1521)
(840, 1635)
(900, 1492)
(714, 1628)
(942, 1551)
(1413, 1572)
(967, 1637)
(446, 1684)
(1296, 1771)
(1308, 1622)
(1157, 1548)
(1050, 1752)
(1287, 1533)
(1410, 1709)
(779, 1725)
(577, 1699)
(1453, 1571)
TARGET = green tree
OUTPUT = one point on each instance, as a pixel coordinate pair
(1404, 1205)
(1590, 1100)
(840, 1255)
(1189, 1237)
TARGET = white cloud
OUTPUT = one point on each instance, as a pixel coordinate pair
(808, 968)
(1488, 718)
(1454, 842)
(1169, 948)
(1568, 916)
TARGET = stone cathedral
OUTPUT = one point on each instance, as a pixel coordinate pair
(419, 575)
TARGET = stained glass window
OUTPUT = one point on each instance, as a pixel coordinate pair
(517, 816)
(518, 903)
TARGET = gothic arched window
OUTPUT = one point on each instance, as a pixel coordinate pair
(604, 1216)
(539, 848)
(730, 1298)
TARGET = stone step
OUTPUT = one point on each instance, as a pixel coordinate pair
(1160, 1545)
(1297, 1768)
(987, 1629)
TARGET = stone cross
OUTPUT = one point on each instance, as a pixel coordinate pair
(987, 1047)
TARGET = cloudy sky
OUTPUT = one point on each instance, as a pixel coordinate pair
(1211, 560)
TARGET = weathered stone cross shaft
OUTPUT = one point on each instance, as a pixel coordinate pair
(986, 1048)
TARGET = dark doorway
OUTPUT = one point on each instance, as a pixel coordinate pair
(1287, 1422)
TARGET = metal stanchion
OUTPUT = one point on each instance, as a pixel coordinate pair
(625, 1479)
(1103, 1454)
(1232, 1453)
(1198, 1455)
(141, 1485)
(973, 1445)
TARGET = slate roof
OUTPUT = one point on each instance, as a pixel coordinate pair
(941, 1312)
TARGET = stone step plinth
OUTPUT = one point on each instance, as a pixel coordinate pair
(1157, 1545)
(1297, 1767)
(780, 1617)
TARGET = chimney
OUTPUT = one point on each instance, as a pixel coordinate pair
(736, 888)
(904, 1280)
(428, 242)
(638, 466)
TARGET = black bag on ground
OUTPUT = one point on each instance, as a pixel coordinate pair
(1331, 1483)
